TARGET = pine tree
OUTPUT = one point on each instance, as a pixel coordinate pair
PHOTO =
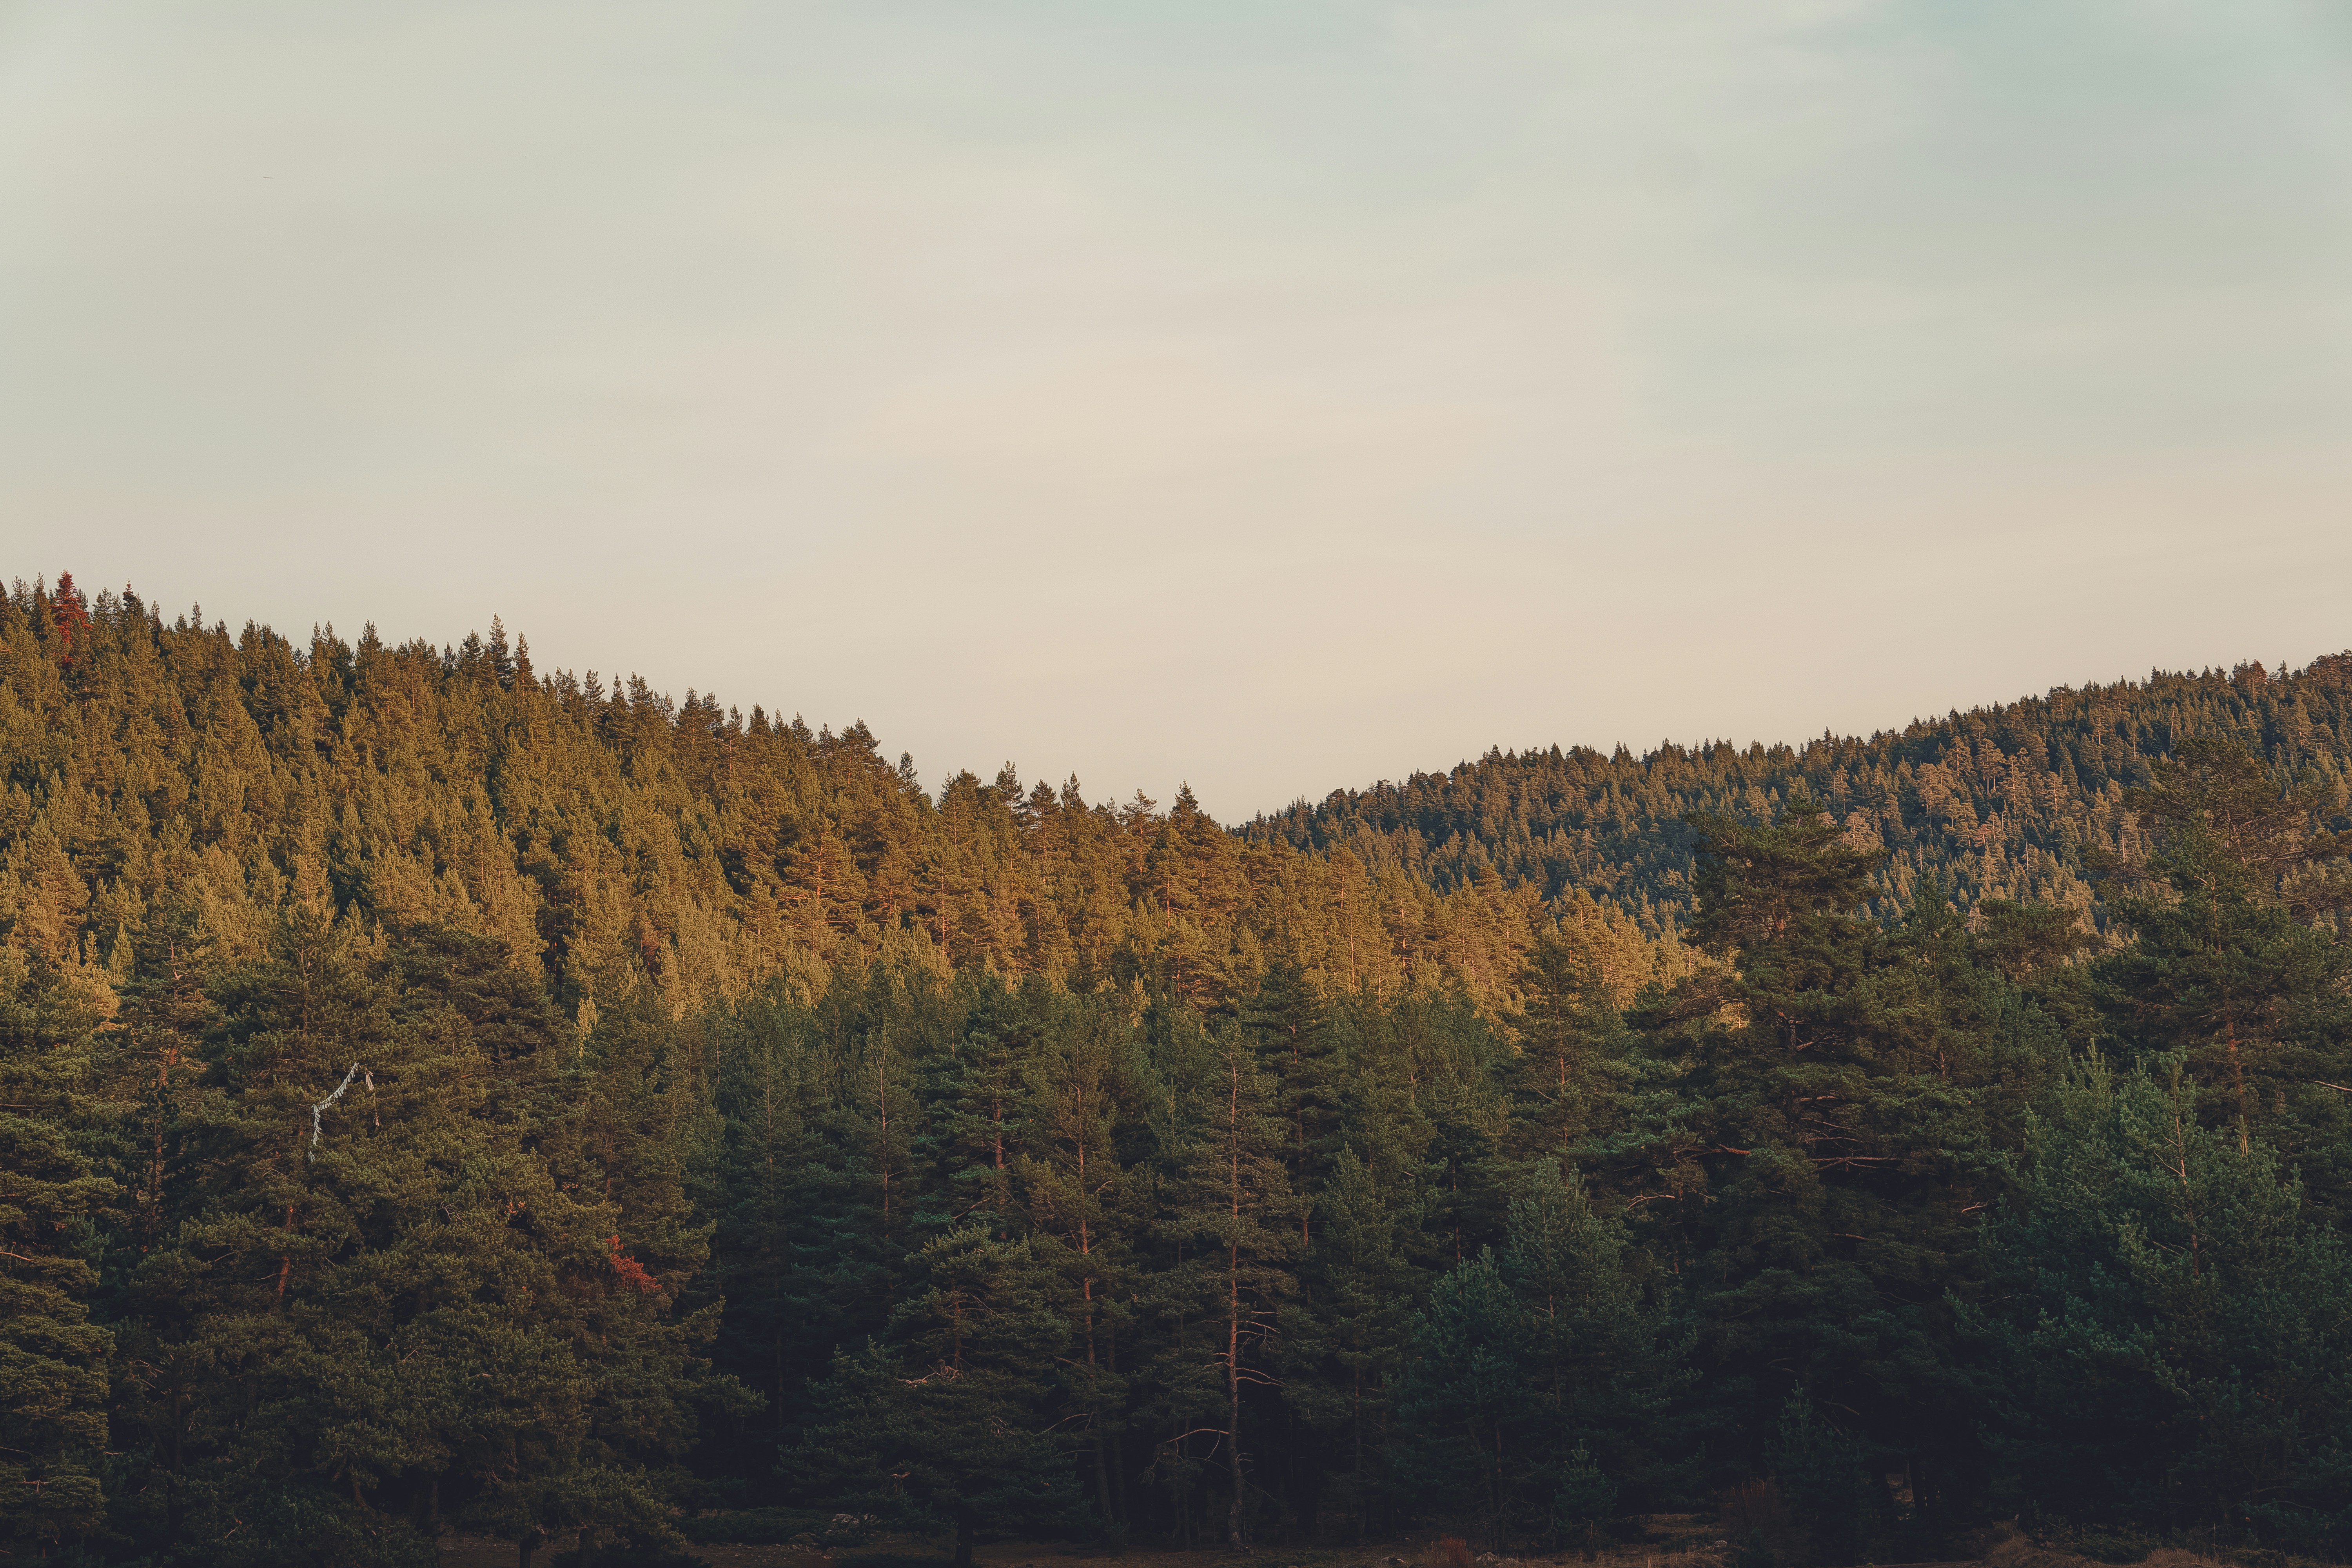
(637, 1083)
(950, 1426)
(2222, 968)
(2170, 1339)
(394, 1287)
(1235, 1217)
(1466, 1404)
(1604, 1358)
(1344, 1343)
(1084, 1212)
(1287, 1020)
(1823, 1480)
(53, 1381)
(1840, 1145)
(1565, 1022)
(976, 1097)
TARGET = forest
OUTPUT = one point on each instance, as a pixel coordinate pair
(439, 1094)
(1996, 802)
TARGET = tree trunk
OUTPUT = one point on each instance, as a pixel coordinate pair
(1234, 1317)
(1233, 1462)
(172, 1483)
(1102, 1483)
(1234, 1538)
(2238, 1078)
(963, 1541)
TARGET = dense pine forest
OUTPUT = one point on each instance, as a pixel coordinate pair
(1996, 802)
(439, 1094)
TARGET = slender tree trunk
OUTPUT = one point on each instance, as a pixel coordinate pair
(1494, 1529)
(285, 1260)
(1234, 1537)
(1363, 1504)
(2188, 1193)
(1118, 1459)
(1102, 1482)
(2238, 1077)
(882, 1106)
(171, 1485)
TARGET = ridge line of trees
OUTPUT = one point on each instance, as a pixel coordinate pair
(2001, 802)
(738, 1128)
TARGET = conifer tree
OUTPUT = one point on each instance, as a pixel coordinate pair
(1825, 1203)
(53, 1382)
(1823, 1473)
(950, 1424)
(1467, 1407)
(495, 1046)
(1288, 1019)
(1345, 1340)
(1234, 1214)
(2170, 1335)
(1604, 1358)
(976, 1099)
(2223, 969)
(396, 1284)
(1564, 1020)
(1084, 1211)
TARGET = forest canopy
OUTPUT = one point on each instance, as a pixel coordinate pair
(440, 1094)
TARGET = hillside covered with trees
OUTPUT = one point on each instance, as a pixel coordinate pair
(437, 1093)
(1996, 803)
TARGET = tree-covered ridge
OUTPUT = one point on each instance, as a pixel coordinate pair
(1996, 802)
(439, 1095)
(605, 834)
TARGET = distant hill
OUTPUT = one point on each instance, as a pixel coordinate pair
(1998, 802)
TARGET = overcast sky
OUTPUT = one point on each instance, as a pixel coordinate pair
(1274, 396)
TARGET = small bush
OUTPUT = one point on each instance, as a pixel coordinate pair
(751, 1526)
(2116, 1546)
(1757, 1522)
(1824, 1484)
(2261, 1557)
(628, 1557)
(1583, 1499)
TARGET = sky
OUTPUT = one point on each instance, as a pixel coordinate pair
(1273, 397)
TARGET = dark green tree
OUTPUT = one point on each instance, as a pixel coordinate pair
(1566, 1075)
(976, 1098)
(1344, 1343)
(1085, 1211)
(950, 1426)
(1825, 1479)
(1607, 1365)
(418, 1262)
(1232, 1223)
(2172, 1331)
(1470, 1422)
(2224, 966)
(1288, 1021)
(53, 1382)
(1837, 1141)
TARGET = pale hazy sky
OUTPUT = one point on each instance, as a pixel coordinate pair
(1274, 396)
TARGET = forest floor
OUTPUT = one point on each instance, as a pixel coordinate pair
(1673, 1541)
(1676, 1540)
